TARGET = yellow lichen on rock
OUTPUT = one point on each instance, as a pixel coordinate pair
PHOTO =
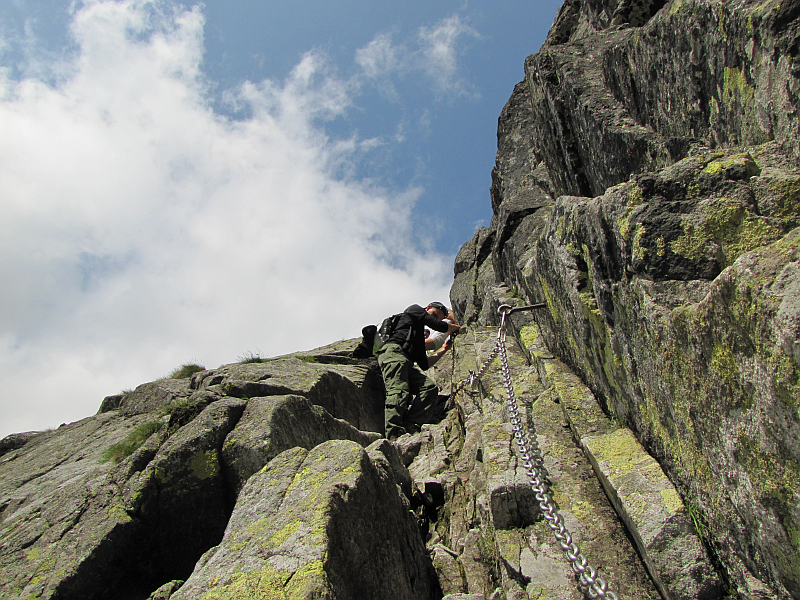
(672, 501)
(620, 450)
(204, 464)
(729, 224)
(722, 163)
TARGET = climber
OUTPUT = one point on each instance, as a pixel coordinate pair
(438, 337)
(407, 345)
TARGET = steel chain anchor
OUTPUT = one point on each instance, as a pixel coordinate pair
(529, 451)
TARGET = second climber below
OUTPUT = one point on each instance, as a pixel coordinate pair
(408, 391)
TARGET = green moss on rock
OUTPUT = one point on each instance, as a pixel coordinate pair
(132, 442)
(529, 336)
(723, 163)
(787, 198)
(638, 250)
(635, 196)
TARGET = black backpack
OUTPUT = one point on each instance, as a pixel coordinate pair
(385, 331)
(375, 337)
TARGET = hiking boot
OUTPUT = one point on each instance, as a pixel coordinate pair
(394, 433)
(411, 427)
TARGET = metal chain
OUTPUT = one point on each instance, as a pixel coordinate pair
(452, 370)
(473, 377)
(594, 586)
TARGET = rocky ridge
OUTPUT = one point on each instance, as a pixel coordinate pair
(647, 191)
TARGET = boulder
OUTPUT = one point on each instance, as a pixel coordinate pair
(81, 521)
(149, 397)
(61, 510)
(345, 387)
(321, 523)
(273, 424)
(15, 441)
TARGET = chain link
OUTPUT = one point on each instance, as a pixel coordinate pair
(473, 377)
(531, 455)
(529, 451)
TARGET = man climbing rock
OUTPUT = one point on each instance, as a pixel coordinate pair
(407, 345)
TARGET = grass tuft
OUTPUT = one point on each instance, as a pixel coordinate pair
(308, 359)
(250, 358)
(699, 521)
(122, 450)
(186, 371)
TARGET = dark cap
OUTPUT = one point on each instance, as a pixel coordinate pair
(439, 306)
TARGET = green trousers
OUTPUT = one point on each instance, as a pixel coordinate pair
(408, 391)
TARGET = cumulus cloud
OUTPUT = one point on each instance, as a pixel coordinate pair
(142, 230)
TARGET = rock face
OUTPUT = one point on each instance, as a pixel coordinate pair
(647, 192)
(274, 496)
(314, 524)
(77, 525)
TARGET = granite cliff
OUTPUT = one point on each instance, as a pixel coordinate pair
(647, 192)
(646, 189)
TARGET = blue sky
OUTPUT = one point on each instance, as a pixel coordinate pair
(193, 183)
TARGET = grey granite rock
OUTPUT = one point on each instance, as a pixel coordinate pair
(319, 523)
(667, 135)
(273, 424)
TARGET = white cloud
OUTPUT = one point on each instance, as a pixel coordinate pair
(141, 230)
(379, 57)
(434, 52)
(440, 52)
